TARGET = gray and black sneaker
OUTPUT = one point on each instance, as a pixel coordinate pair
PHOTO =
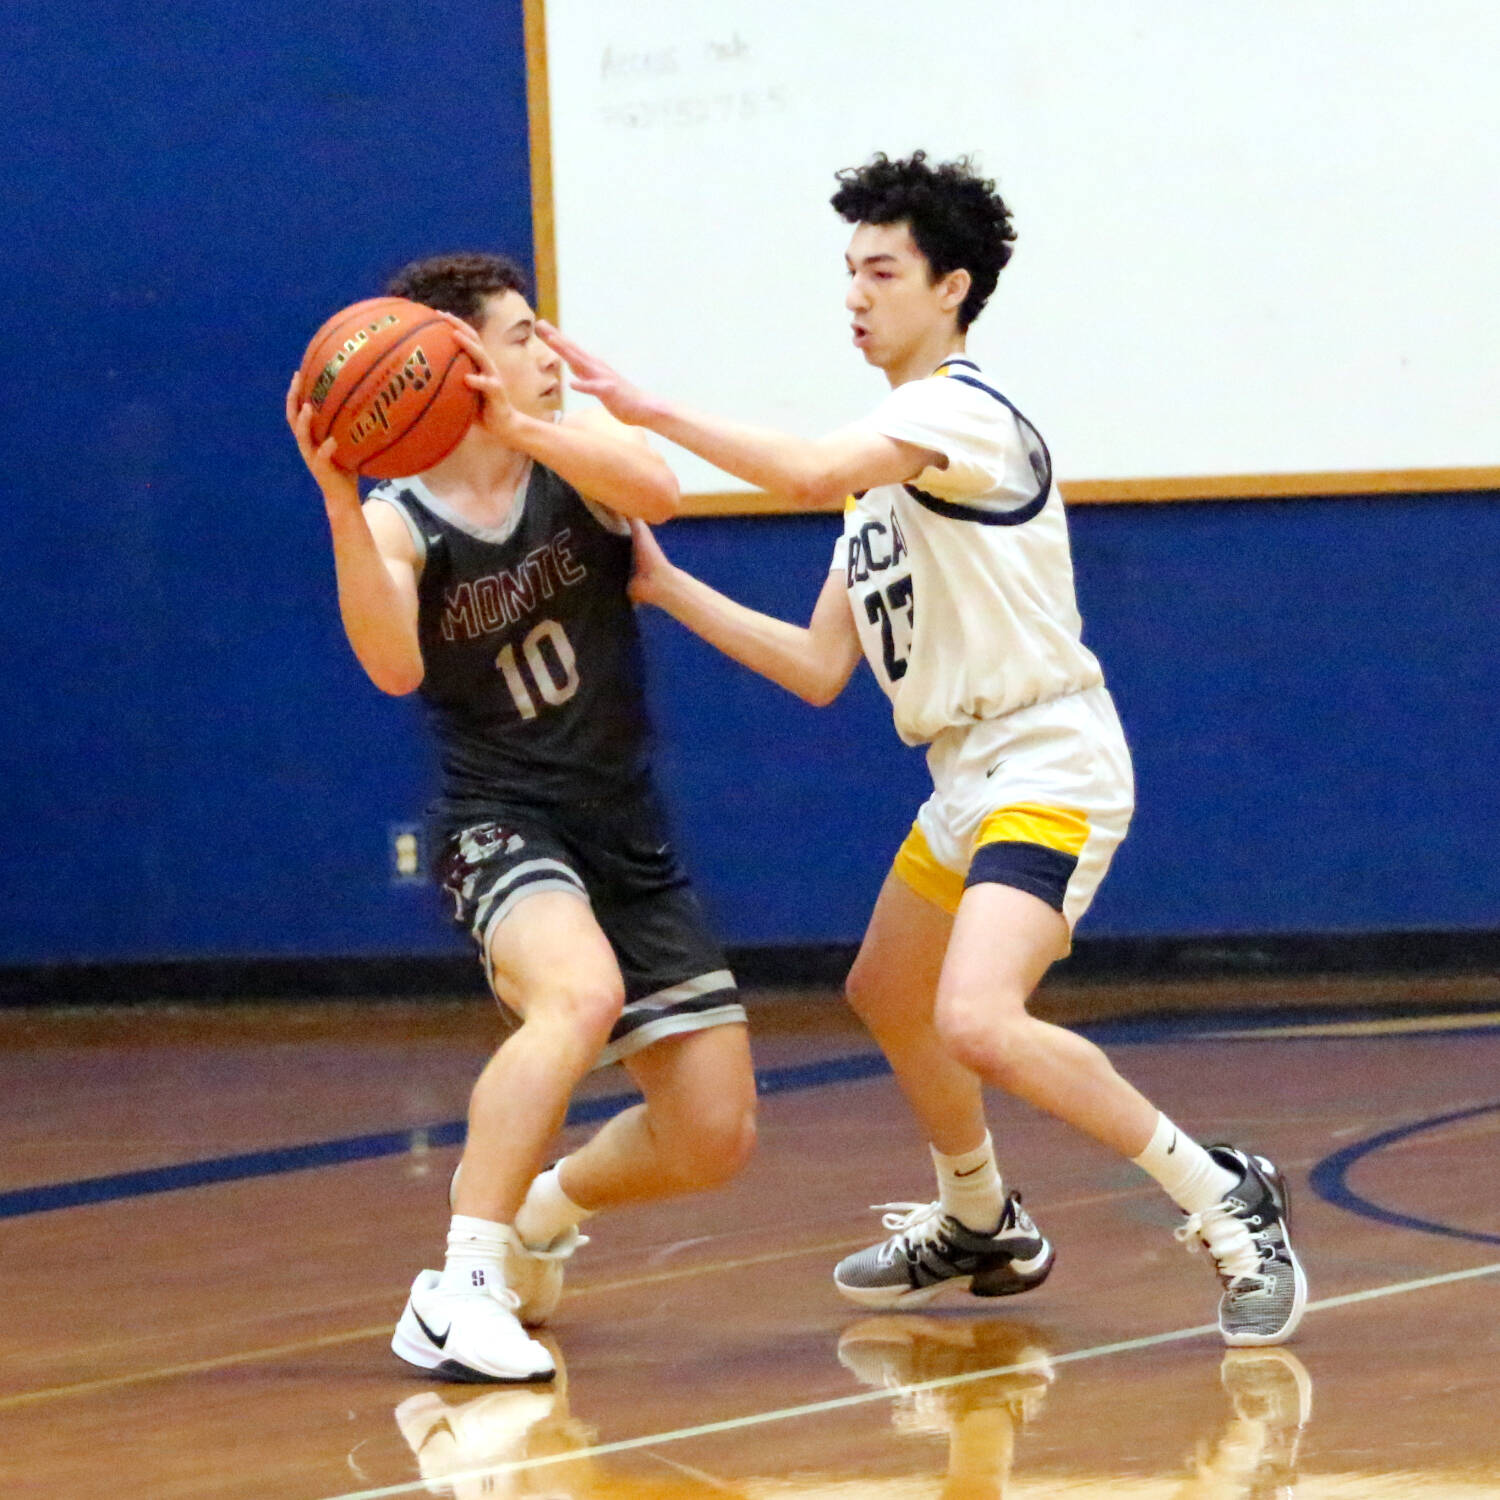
(930, 1250)
(1265, 1287)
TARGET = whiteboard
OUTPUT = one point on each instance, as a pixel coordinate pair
(1253, 240)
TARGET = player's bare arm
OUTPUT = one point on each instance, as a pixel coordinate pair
(598, 455)
(814, 661)
(810, 472)
(612, 464)
(375, 562)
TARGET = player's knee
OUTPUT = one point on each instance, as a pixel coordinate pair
(865, 994)
(594, 1009)
(989, 1039)
(856, 990)
(736, 1141)
(709, 1148)
(585, 1007)
(725, 1145)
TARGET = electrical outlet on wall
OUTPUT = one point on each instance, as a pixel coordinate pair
(408, 857)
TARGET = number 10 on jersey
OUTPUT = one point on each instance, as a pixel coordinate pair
(548, 659)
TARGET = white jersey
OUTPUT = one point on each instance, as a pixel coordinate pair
(961, 582)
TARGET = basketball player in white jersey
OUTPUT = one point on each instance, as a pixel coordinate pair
(953, 577)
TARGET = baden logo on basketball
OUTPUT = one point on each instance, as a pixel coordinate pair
(413, 375)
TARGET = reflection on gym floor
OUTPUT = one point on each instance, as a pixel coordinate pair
(975, 1384)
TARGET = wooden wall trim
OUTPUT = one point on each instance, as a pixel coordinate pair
(539, 120)
(1334, 484)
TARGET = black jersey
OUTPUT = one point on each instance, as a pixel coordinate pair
(533, 669)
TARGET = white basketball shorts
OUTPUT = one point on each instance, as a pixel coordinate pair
(1039, 799)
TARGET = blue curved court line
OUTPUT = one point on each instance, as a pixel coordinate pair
(1329, 1179)
(19, 1202)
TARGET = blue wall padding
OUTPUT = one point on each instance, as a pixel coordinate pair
(192, 765)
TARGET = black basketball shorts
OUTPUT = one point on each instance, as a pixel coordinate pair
(617, 856)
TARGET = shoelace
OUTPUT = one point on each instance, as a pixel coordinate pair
(915, 1225)
(500, 1293)
(1236, 1264)
(1256, 1283)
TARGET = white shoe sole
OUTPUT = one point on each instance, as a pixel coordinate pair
(886, 1297)
(1299, 1307)
(877, 1296)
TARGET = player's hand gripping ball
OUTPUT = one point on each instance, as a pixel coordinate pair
(386, 379)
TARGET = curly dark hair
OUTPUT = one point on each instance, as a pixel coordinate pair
(956, 217)
(458, 284)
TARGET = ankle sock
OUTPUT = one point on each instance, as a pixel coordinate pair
(1192, 1178)
(1196, 1182)
(548, 1211)
(969, 1186)
(476, 1255)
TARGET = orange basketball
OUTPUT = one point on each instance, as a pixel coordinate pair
(386, 378)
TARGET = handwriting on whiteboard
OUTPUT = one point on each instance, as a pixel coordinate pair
(684, 85)
(695, 109)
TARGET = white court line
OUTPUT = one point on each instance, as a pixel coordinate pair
(866, 1398)
(382, 1330)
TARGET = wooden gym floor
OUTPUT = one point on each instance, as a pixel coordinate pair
(210, 1218)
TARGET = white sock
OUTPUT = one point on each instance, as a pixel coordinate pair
(548, 1211)
(1192, 1178)
(1196, 1182)
(969, 1186)
(476, 1255)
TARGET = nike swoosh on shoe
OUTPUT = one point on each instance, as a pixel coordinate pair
(438, 1342)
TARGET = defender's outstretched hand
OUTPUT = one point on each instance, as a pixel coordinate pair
(650, 566)
(595, 378)
(338, 485)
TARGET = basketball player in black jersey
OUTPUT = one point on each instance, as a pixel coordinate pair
(494, 584)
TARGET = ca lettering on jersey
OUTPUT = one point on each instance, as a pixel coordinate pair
(884, 589)
(496, 600)
(874, 548)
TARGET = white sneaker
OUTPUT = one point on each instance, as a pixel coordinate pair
(472, 1335)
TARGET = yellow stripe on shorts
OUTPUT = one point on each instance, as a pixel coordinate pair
(1065, 829)
(917, 866)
